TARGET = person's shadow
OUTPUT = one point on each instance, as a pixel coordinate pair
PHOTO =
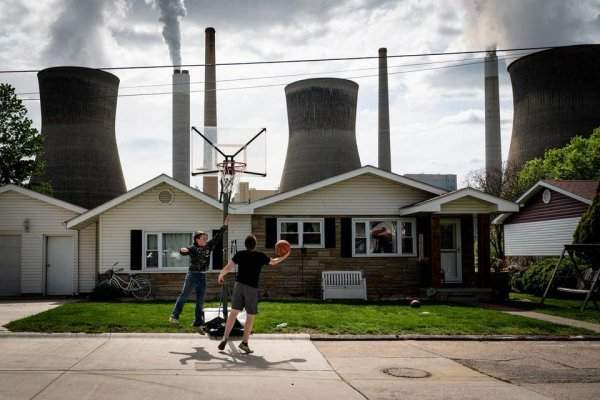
(234, 360)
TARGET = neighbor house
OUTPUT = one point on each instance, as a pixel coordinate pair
(404, 235)
(549, 213)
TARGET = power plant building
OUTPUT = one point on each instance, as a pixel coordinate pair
(556, 95)
(322, 131)
(78, 107)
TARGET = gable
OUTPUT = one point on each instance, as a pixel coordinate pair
(468, 205)
(16, 207)
(560, 206)
(365, 194)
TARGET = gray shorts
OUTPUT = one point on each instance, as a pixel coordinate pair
(245, 296)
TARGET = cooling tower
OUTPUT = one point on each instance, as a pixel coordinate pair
(493, 149)
(181, 126)
(322, 138)
(383, 125)
(556, 95)
(78, 108)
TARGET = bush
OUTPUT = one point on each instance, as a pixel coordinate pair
(534, 279)
(104, 291)
(588, 230)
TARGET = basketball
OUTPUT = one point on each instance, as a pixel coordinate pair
(282, 247)
(415, 304)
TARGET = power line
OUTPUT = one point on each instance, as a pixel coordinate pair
(292, 61)
(283, 84)
(300, 74)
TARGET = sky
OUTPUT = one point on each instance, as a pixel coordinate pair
(436, 115)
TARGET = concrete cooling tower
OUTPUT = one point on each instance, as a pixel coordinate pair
(322, 135)
(556, 95)
(78, 120)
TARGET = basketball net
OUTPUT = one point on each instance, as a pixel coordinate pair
(230, 172)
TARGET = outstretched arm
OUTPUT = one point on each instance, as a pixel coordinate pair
(225, 271)
(217, 238)
(276, 260)
(184, 251)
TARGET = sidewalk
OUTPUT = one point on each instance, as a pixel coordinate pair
(557, 320)
(11, 310)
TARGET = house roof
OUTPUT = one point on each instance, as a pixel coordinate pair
(42, 197)
(435, 204)
(92, 214)
(368, 169)
(580, 190)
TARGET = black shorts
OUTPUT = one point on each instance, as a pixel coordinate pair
(245, 297)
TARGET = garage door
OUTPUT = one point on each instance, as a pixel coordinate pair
(10, 265)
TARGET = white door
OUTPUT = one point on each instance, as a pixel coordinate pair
(59, 265)
(450, 250)
(10, 265)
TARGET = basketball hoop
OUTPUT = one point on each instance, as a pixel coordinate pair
(230, 171)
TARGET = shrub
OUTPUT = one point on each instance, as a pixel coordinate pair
(104, 291)
(588, 230)
(534, 279)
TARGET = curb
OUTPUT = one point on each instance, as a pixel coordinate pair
(140, 335)
(472, 338)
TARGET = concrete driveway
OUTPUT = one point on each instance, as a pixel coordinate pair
(185, 366)
(11, 310)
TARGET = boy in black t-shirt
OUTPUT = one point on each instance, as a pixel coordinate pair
(245, 291)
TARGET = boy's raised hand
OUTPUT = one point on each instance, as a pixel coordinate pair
(226, 221)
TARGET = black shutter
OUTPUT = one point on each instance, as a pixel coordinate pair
(346, 237)
(217, 253)
(330, 233)
(136, 250)
(270, 232)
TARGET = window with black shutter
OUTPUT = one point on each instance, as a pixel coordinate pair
(330, 233)
(136, 250)
(270, 232)
(346, 237)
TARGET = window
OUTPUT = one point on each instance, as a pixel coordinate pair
(384, 237)
(306, 232)
(162, 250)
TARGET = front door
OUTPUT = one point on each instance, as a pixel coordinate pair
(59, 265)
(10, 265)
(450, 250)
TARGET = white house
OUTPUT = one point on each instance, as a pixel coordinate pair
(38, 253)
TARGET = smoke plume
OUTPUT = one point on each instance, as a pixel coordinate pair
(78, 36)
(519, 23)
(170, 12)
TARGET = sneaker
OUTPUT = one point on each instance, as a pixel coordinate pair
(244, 347)
(221, 345)
(173, 320)
(201, 329)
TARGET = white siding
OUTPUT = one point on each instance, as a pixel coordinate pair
(44, 220)
(87, 258)
(363, 195)
(145, 212)
(540, 238)
(468, 205)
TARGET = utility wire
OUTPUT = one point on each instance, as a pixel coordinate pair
(292, 61)
(283, 84)
(300, 74)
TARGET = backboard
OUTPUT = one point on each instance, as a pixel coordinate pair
(246, 144)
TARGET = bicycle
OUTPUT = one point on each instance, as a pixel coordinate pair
(139, 287)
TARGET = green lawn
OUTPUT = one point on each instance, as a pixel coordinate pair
(311, 317)
(560, 307)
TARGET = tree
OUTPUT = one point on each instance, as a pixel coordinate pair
(588, 230)
(21, 146)
(580, 159)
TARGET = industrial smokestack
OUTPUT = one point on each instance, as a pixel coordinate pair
(181, 126)
(384, 161)
(493, 145)
(556, 96)
(210, 183)
(322, 125)
(78, 121)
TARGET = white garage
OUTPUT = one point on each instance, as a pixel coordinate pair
(38, 254)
